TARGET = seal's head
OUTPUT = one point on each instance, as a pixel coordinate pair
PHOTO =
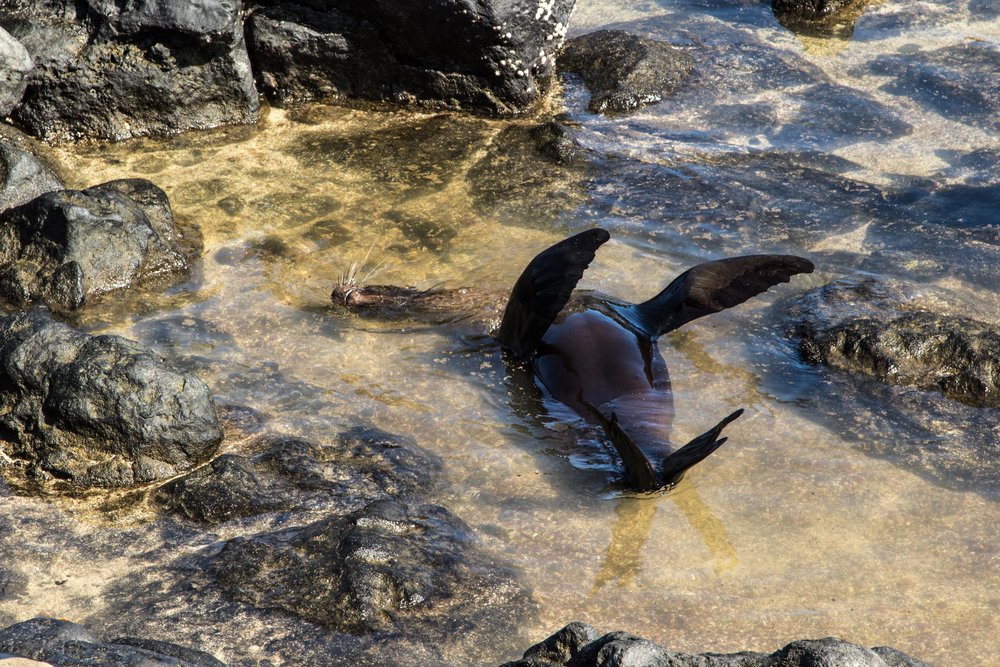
(374, 297)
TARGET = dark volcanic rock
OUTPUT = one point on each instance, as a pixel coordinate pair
(488, 55)
(66, 247)
(623, 71)
(819, 18)
(361, 465)
(15, 64)
(957, 356)
(22, 175)
(578, 645)
(904, 368)
(108, 70)
(64, 643)
(390, 567)
(959, 82)
(97, 410)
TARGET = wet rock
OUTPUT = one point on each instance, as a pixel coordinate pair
(387, 568)
(97, 410)
(819, 18)
(66, 247)
(578, 645)
(959, 82)
(361, 465)
(117, 70)
(623, 71)
(15, 64)
(957, 356)
(493, 55)
(64, 643)
(22, 175)
(905, 368)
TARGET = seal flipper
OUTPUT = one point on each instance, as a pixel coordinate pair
(673, 467)
(710, 287)
(544, 289)
(638, 470)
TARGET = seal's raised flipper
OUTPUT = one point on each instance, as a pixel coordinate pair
(672, 468)
(544, 288)
(711, 287)
(639, 471)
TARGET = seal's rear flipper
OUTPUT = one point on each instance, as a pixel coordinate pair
(711, 287)
(639, 471)
(544, 288)
(673, 467)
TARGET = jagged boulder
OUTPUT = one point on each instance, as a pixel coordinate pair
(624, 71)
(487, 55)
(66, 247)
(112, 70)
(97, 410)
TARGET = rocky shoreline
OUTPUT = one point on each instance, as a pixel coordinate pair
(346, 556)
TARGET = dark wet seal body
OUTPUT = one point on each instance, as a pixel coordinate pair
(598, 355)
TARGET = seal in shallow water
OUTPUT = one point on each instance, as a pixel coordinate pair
(599, 356)
(593, 353)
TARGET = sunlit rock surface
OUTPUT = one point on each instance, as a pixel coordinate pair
(496, 56)
(15, 64)
(67, 247)
(623, 71)
(113, 71)
(23, 176)
(98, 411)
(580, 645)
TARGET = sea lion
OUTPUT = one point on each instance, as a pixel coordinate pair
(598, 355)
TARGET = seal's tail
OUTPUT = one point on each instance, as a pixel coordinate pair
(673, 467)
(544, 289)
(639, 472)
(711, 287)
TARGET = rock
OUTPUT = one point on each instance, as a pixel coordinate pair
(905, 369)
(97, 410)
(66, 247)
(360, 466)
(623, 71)
(388, 568)
(577, 645)
(15, 64)
(495, 56)
(23, 176)
(64, 643)
(819, 18)
(119, 70)
(958, 356)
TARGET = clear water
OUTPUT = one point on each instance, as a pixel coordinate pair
(804, 525)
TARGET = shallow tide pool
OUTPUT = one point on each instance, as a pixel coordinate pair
(777, 143)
